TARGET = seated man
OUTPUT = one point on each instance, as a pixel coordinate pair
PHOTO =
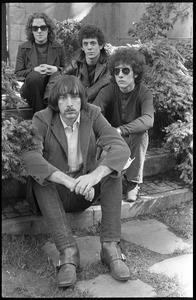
(67, 177)
(128, 106)
(38, 59)
(90, 64)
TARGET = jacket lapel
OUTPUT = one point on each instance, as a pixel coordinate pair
(59, 132)
(52, 53)
(98, 70)
(85, 133)
(32, 55)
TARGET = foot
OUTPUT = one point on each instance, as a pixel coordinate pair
(66, 275)
(68, 263)
(111, 256)
(132, 191)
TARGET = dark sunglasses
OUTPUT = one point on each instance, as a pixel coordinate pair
(36, 28)
(125, 71)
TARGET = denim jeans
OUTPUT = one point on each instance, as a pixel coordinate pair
(55, 200)
(138, 144)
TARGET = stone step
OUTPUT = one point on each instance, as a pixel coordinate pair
(155, 195)
(157, 161)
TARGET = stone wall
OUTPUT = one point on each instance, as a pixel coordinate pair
(115, 18)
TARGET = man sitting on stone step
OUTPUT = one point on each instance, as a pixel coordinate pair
(67, 176)
(128, 106)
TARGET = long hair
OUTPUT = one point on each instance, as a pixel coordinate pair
(127, 56)
(91, 31)
(67, 84)
(47, 20)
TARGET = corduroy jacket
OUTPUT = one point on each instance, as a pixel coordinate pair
(52, 153)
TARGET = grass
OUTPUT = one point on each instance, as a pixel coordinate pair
(28, 272)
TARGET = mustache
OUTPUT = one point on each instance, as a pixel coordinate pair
(69, 109)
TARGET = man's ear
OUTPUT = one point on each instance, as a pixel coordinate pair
(100, 47)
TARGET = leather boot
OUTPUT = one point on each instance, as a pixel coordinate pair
(111, 255)
(69, 260)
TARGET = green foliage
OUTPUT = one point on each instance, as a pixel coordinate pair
(9, 88)
(179, 140)
(158, 18)
(67, 35)
(167, 78)
(17, 135)
(186, 50)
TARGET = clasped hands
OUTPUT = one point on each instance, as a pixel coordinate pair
(45, 69)
(83, 185)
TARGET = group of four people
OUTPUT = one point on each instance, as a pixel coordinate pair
(93, 117)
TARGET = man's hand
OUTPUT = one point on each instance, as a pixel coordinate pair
(51, 69)
(42, 69)
(85, 183)
(45, 69)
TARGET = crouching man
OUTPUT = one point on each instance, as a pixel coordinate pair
(67, 176)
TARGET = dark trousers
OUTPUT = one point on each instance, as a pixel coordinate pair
(33, 90)
(138, 144)
(55, 201)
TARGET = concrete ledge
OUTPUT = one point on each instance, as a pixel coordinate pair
(156, 163)
(92, 216)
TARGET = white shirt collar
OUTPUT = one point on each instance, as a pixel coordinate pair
(77, 121)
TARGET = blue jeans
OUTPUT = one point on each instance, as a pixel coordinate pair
(55, 200)
(138, 144)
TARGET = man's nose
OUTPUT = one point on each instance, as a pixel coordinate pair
(120, 73)
(39, 29)
(69, 101)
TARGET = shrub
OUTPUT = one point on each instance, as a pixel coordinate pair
(17, 135)
(9, 88)
(67, 35)
(179, 140)
(168, 79)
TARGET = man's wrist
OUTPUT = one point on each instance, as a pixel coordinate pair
(119, 130)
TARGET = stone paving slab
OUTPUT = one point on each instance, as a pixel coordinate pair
(107, 287)
(180, 266)
(153, 235)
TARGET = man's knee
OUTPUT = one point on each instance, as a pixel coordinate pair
(34, 77)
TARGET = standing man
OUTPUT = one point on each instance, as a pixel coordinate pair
(128, 106)
(38, 59)
(67, 176)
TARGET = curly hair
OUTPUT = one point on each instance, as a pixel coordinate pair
(130, 57)
(67, 84)
(91, 31)
(47, 20)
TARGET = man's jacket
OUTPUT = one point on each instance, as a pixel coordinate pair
(27, 57)
(52, 153)
(78, 68)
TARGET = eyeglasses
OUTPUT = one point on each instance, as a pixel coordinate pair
(42, 27)
(125, 71)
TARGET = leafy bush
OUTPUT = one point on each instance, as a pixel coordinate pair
(158, 18)
(17, 135)
(168, 79)
(67, 35)
(9, 88)
(179, 140)
(186, 50)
